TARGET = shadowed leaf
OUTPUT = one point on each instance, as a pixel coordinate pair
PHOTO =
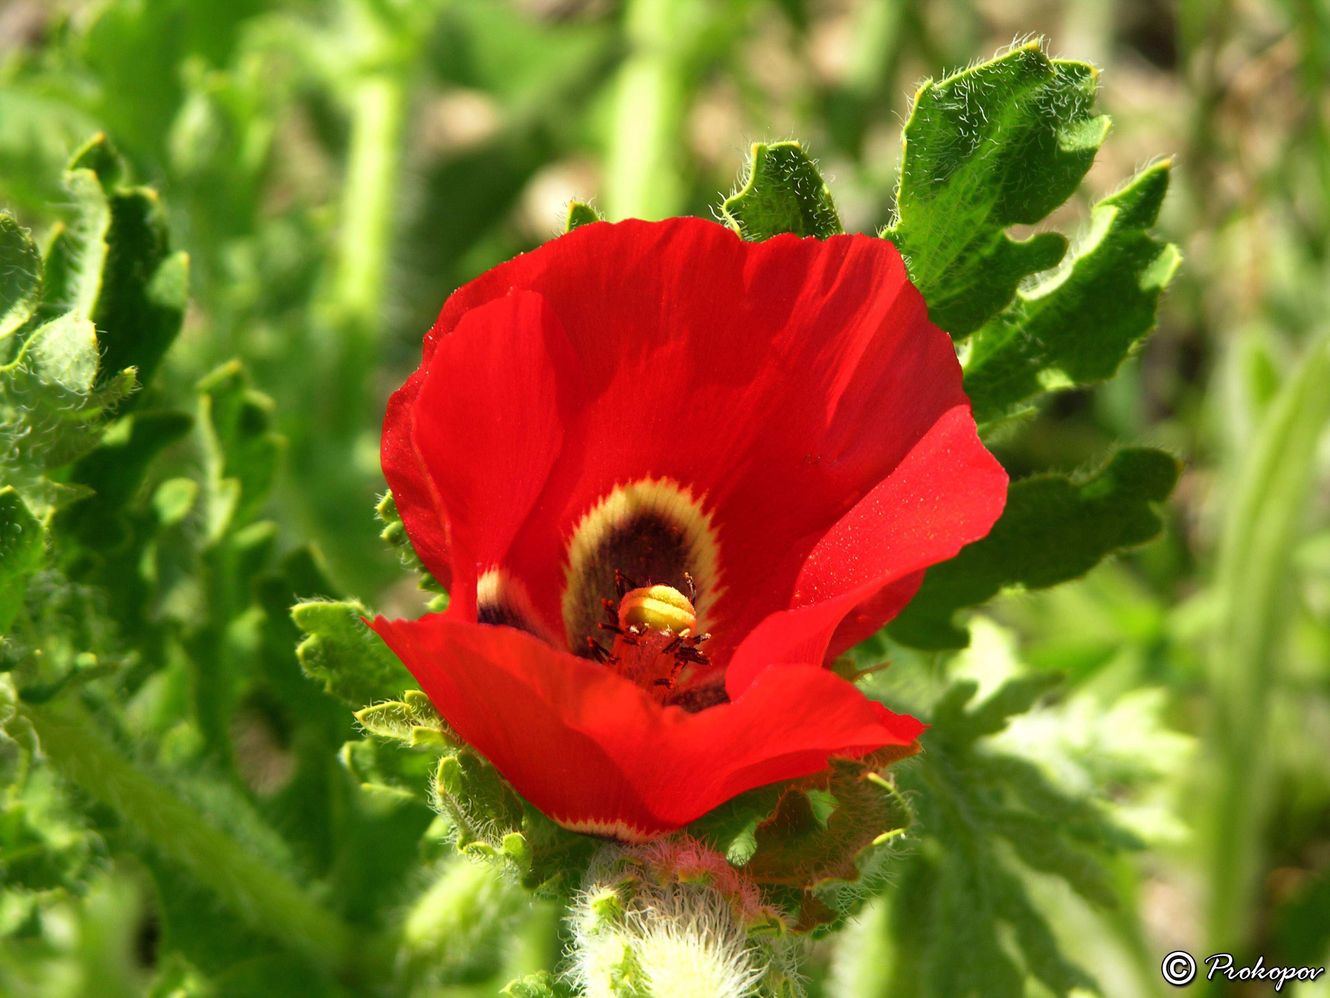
(1054, 528)
(1075, 327)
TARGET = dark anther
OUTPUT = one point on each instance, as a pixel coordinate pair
(689, 653)
(597, 651)
(692, 587)
(623, 584)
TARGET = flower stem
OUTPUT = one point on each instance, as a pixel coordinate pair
(266, 897)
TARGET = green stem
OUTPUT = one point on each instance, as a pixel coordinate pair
(643, 164)
(378, 106)
(265, 897)
(1254, 557)
(341, 344)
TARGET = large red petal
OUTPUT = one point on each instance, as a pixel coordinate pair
(596, 753)
(782, 381)
(947, 492)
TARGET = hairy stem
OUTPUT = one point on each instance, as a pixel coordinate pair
(267, 898)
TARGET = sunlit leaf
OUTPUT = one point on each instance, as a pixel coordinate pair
(999, 144)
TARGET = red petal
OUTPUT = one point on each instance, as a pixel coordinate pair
(596, 753)
(946, 493)
(780, 380)
(489, 423)
(417, 500)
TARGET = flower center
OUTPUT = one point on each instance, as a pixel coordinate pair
(652, 529)
(655, 644)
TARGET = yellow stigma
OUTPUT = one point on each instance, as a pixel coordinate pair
(657, 608)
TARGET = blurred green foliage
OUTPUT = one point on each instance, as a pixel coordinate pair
(1144, 765)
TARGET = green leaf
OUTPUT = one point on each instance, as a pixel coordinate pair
(1016, 696)
(22, 547)
(1076, 326)
(49, 408)
(1054, 528)
(481, 803)
(781, 192)
(402, 720)
(114, 471)
(959, 889)
(114, 265)
(816, 834)
(731, 829)
(20, 275)
(63, 354)
(580, 213)
(1000, 144)
(539, 985)
(243, 450)
(344, 655)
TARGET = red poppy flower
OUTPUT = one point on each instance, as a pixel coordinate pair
(644, 435)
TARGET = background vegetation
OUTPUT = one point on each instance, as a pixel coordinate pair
(334, 170)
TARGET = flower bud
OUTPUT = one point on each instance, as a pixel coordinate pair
(673, 919)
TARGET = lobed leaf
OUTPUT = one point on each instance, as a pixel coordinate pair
(782, 191)
(962, 889)
(1054, 528)
(1000, 144)
(1075, 327)
(403, 720)
(114, 266)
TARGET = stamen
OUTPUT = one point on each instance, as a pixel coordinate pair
(654, 643)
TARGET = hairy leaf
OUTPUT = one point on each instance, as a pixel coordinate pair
(344, 654)
(999, 144)
(781, 192)
(20, 275)
(580, 213)
(394, 532)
